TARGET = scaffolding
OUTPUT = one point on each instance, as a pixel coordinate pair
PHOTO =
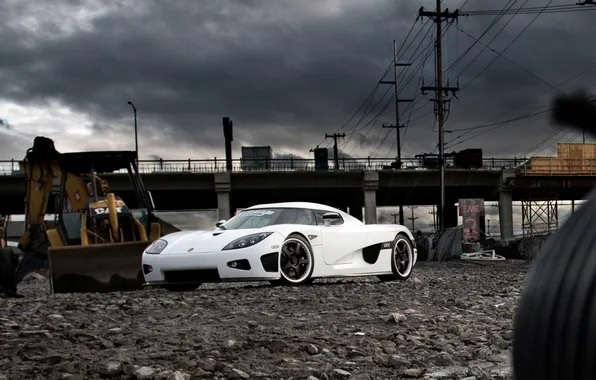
(540, 216)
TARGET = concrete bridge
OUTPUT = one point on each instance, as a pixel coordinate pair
(351, 190)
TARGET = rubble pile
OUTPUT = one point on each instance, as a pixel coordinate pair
(450, 320)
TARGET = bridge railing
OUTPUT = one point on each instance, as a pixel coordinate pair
(12, 167)
(555, 166)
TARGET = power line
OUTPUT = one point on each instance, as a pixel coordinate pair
(510, 4)
(370, 96)
(506, 47)
(535, 112)
(372, 121)
(534, 10)
(511, 61)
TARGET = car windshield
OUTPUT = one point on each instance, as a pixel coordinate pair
(258, 218)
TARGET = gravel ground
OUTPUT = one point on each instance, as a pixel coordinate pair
(448, 321)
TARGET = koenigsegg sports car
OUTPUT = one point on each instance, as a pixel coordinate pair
(284, 243)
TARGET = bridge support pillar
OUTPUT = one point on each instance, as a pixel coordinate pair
(222, 188)
(370, 186)
(506, 206)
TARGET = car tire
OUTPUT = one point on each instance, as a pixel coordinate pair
(554, 334)
(402, 254)
(181, 287)
(296, 243)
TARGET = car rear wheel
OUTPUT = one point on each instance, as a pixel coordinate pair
(402, 259)
(181, 287)
(296, 261)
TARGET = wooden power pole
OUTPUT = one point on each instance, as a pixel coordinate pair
(335, 136)
(434, 214)
(394, 218)
(397, 125)
(413, 218)
(438, 17)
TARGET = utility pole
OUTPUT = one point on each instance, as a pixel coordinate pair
(136, 131)
(394, 218)
(434, 214)
(335, 136)
(488, 227)
(228, 127)
(397, 125)
(413, 218)
(438, 17)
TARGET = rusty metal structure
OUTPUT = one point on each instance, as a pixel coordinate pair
(540, 216)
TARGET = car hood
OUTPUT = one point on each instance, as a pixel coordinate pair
(204, 241)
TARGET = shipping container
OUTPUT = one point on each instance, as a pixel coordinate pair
(256, 157)
(321, 159)
(572, 159)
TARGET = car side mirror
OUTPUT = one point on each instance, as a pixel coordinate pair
(330, 217)
(220, 223)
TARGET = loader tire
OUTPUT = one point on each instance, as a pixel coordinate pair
(8, 271)
(555, 323)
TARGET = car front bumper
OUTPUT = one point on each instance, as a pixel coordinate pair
(259, 262)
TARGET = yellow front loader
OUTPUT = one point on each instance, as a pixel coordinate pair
(98, 241)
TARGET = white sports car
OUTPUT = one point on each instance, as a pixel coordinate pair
(284, 243)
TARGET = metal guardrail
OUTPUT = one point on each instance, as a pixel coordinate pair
(12, 167)
(554, 166)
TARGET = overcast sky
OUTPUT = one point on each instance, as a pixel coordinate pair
(285, 71)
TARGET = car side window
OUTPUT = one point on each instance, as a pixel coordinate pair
(319, 216)
(306, 218)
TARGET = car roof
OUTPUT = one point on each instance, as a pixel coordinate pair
(305, 205)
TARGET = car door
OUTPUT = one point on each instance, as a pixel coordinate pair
(340, 241)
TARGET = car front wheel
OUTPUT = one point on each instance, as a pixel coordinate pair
(402, 259)
(296, 261)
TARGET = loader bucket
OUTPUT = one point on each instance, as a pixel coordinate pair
(97, 268)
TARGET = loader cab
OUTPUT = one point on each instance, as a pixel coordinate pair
(89, 226)
(95, 222)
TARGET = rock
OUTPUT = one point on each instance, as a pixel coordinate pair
(266, 332)
(110, 369)
(413, 373)
(340, 373)
(33, 277)
(508, 335)
(177, 375)
(312, 349)
(398, 362)
(144, 373)
(114, 331)
(208, 364)
(360, 376)
(238, 374)
(441, 359)
(394, 317)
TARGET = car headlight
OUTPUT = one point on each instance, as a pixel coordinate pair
(247, 241)
(156, 247)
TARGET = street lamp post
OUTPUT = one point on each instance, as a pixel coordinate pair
(136, 134)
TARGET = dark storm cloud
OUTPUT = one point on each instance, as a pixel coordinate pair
(287, 72)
